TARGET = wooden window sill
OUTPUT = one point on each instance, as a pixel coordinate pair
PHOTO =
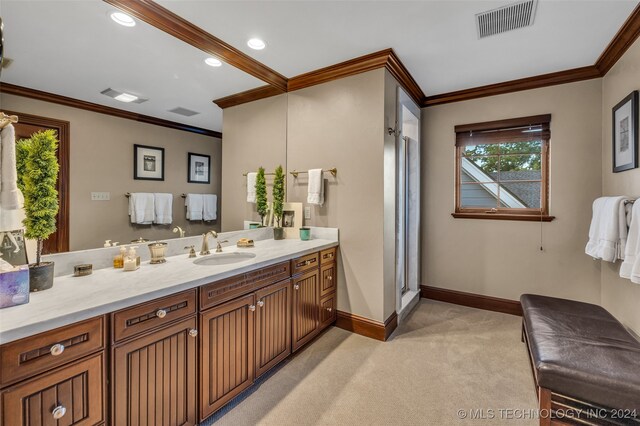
(503, 216)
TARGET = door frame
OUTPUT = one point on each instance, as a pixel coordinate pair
(63, 128)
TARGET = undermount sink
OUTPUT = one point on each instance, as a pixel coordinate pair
(224, 259)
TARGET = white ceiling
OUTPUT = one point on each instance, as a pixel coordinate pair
(73, 48)
(436, 40)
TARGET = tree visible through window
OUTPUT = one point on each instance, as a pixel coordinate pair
(502, 169)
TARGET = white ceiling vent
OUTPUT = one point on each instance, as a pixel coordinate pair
(184, 111)
(506, 18)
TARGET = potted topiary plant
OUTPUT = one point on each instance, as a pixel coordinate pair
(37, 166)
(261, 195)
(278, 203)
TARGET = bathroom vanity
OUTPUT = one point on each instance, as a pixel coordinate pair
(172, 351)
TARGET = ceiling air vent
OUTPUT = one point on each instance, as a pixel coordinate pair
(123, 96)
(183, 111)
(506, 18)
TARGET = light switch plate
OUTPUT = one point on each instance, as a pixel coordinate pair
(100, 196)
(307, 212)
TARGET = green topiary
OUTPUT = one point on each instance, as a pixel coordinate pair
(22, 151)
(261, 194)
(39, 181)
(278, 195)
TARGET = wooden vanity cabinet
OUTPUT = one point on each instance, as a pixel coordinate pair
(273, 326)
(154, 374)
(305, 311)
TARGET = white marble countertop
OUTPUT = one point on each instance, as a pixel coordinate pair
(74, 299)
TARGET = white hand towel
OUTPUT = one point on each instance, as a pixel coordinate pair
(316, 187)
(210, 210)
(195, 206)
(632, 250)
(142, 208)
(164, 208)
(251, 187)
(608, 230)
(9, 192)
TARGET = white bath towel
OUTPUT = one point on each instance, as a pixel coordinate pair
(316, 187)
(9, 192)
(630, 268)
(142, 208)
(195, 206)
(210, 207)
(251, 187)
(164, 208)
(608, 230)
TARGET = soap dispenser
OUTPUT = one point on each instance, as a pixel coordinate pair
(131, 261)
(118, 260)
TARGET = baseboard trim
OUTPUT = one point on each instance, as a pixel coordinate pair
(472, 300)
(367, 327)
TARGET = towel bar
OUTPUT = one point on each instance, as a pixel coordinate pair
(333, 171)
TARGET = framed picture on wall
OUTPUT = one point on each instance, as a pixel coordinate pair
(199, 168)
(625, 133)
(292, 219)
(13, 248)
(148, 162)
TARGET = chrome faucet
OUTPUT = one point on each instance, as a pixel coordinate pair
(204, 250)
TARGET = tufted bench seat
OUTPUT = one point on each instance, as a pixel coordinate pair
(582, 359)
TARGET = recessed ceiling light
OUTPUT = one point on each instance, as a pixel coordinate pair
(126, 97)
(123, 19)
(256, 44)
(213, 62)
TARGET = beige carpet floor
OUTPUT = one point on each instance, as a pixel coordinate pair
(442, 359)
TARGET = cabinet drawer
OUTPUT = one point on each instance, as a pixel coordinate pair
(71, 395)
(305, 263)
(222, 291)
(327, 279)
(327, 310)
(32, 355)
(328, 255)
(147, 316)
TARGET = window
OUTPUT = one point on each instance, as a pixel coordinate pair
(502, 169)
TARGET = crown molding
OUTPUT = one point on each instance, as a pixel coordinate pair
(12, 89)
(165, 20)
(251, 95)
(623, 39)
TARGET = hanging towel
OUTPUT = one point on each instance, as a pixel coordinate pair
(608, 230)
(210, 210)
(9, 192)
(316, 187)
(142, 208)
(251, 187)
(630, 268)
(195, 206)
(164, 208)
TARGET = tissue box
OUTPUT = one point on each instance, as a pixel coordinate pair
(14, 287)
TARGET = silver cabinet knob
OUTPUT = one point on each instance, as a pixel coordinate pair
(296, 287)
(329, 309)
(260, 303)
(330, 278)
(59, 412)
(57, 349)
(252, 308)
(161, 313)
(193, 332)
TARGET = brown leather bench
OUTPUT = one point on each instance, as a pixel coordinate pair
(585, 363)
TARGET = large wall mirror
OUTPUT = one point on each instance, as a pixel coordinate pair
(75, 77)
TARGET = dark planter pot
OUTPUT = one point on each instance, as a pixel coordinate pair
(278, 233)
(40, 276)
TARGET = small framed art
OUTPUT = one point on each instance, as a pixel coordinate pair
(148, 162)
(625, 133)
(199, 168)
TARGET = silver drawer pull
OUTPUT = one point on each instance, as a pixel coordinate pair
(57, 349)
(161, 313)
(193, 332)
(260, 303)
(252, 308)
(59, 412)
(296, 287)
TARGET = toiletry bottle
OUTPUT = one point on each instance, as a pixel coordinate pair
(130, 261)
(118, 260)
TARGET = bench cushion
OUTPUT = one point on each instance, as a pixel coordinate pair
(580, 350)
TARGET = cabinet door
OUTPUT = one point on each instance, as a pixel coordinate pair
(227, 352)
(154, 377)
(273, 325)
(328, 279)
(70, 395)
(306, 312)
(327, 311)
